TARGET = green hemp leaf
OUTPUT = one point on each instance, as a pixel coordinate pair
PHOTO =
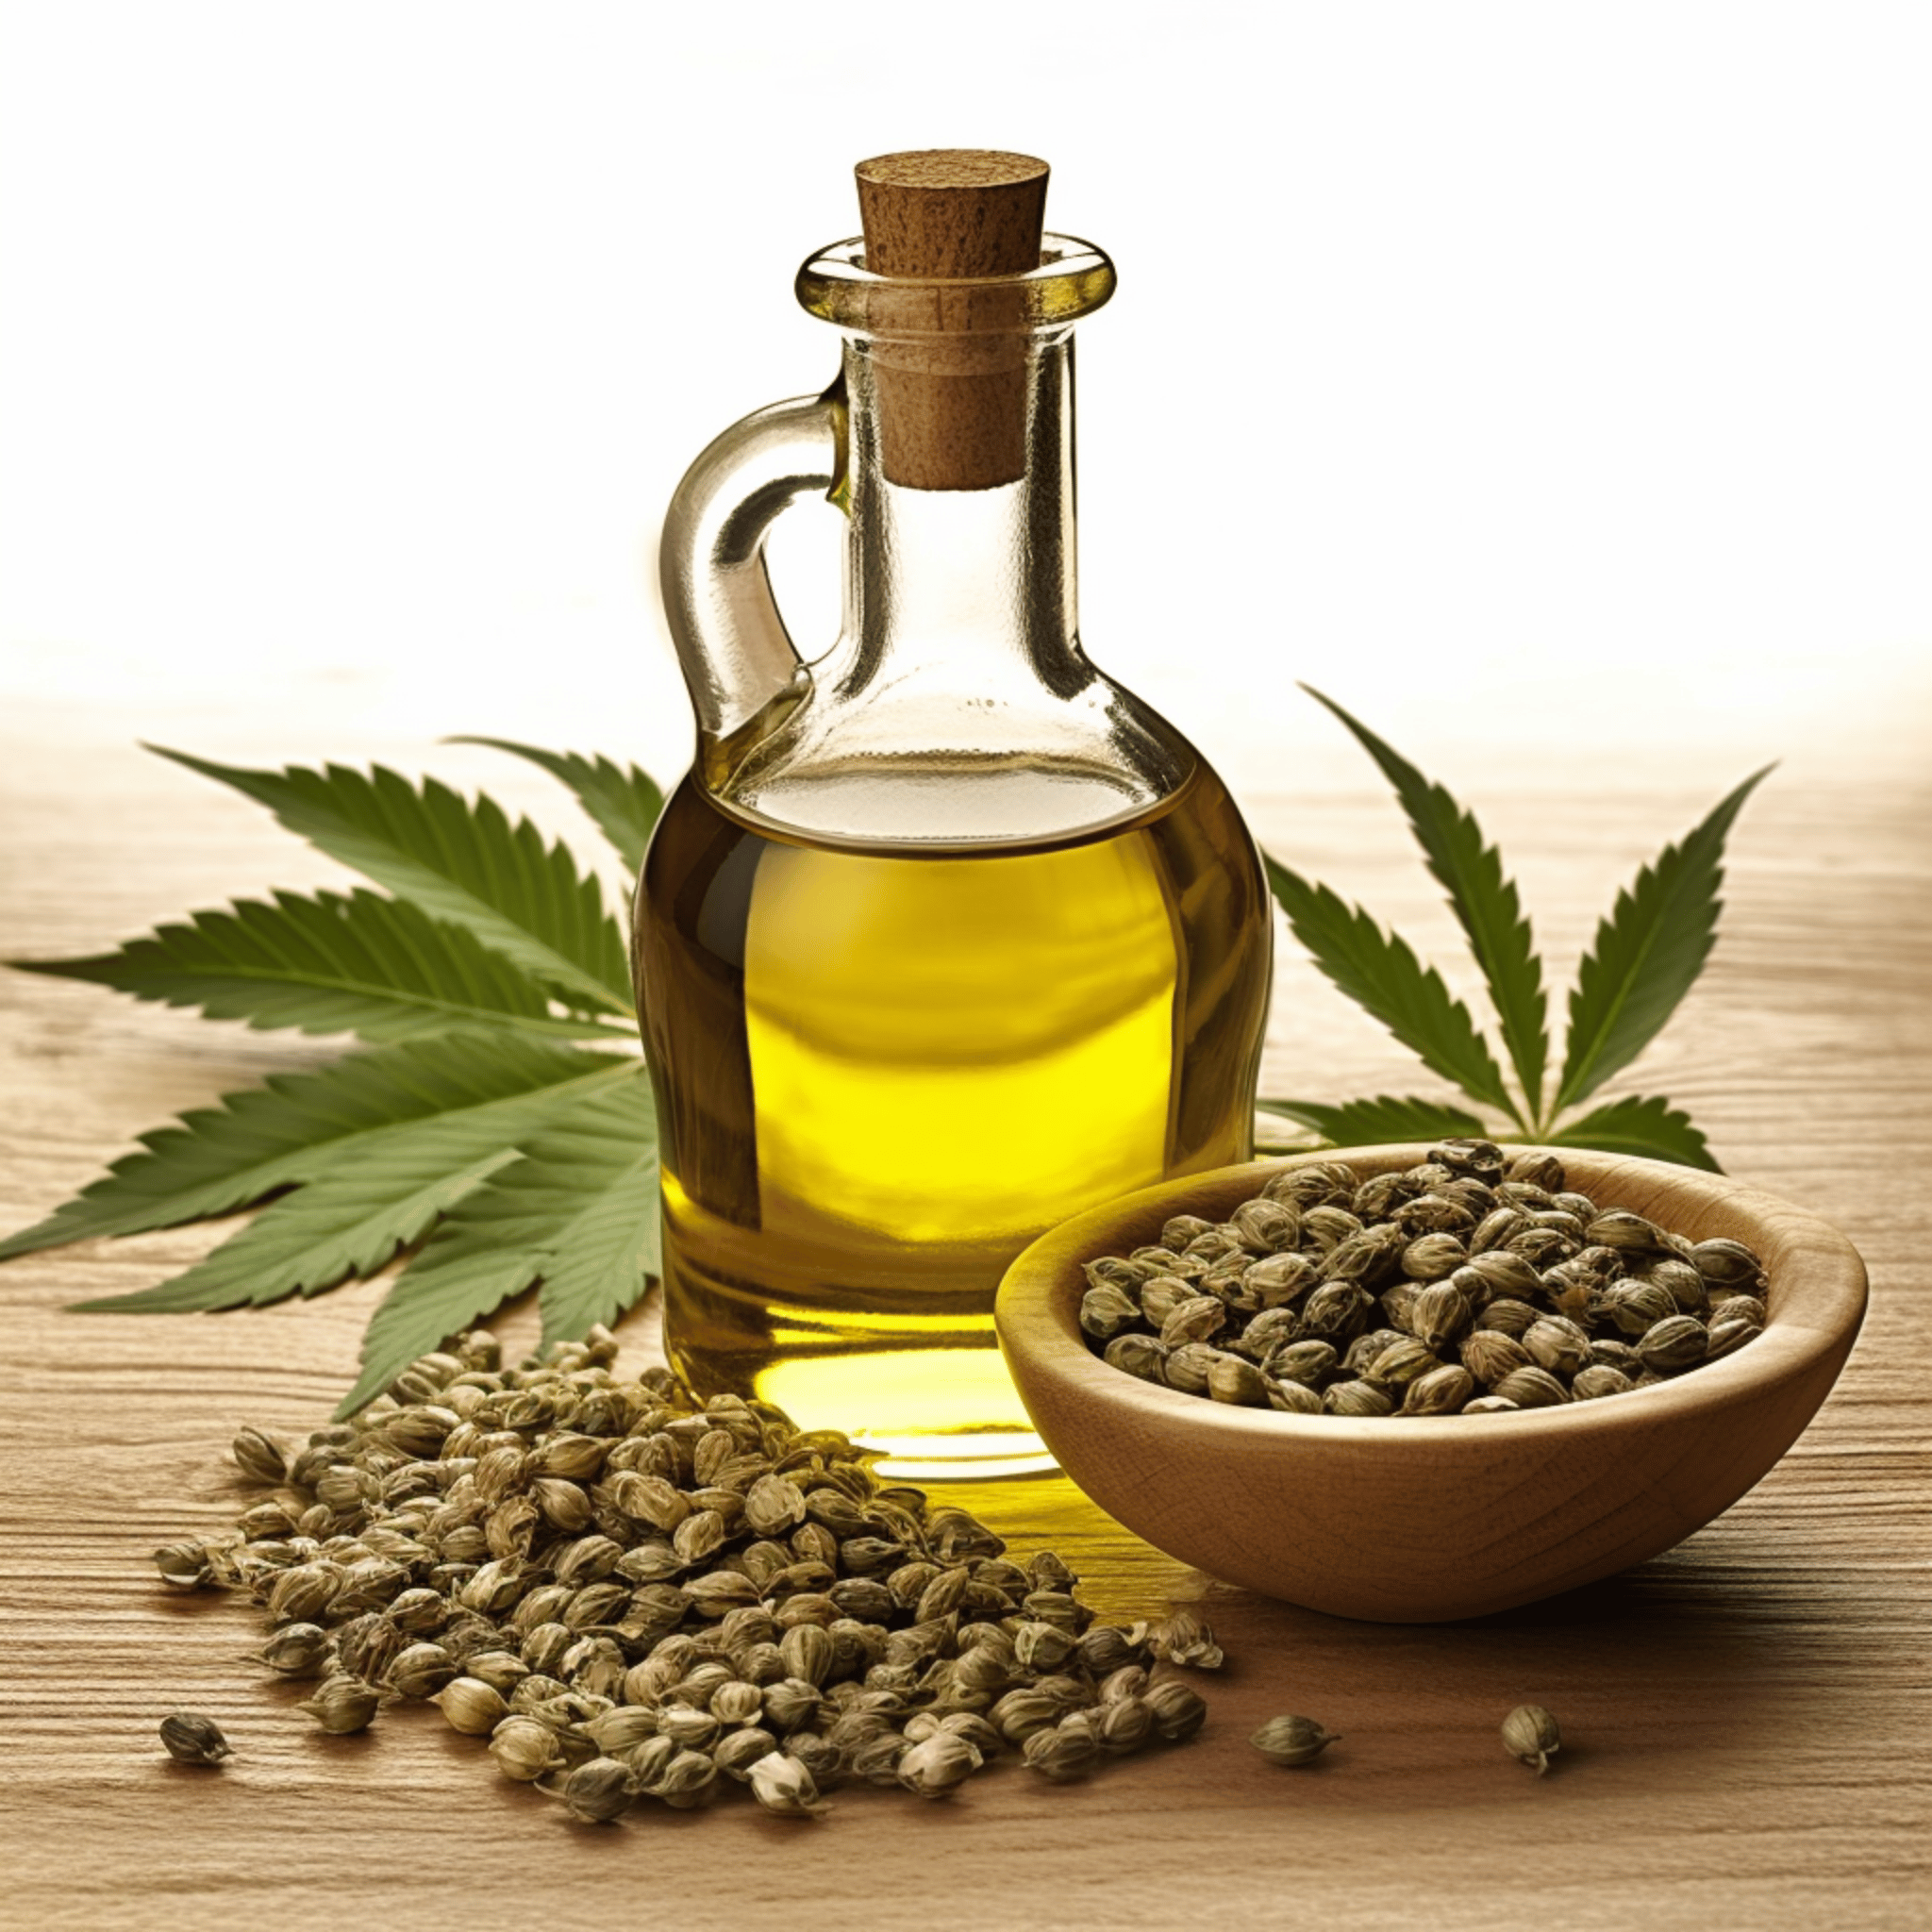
(624, 801)
(1647, 954)
(479, 1132)
(464, 864)
(379, 968)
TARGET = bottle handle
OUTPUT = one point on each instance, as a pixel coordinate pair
(732, 643)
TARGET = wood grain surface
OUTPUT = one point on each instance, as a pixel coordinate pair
(1748, 1719)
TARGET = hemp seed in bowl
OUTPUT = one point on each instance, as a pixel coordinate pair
(1470, 1284)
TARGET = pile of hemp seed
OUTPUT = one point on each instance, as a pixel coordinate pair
(1470, 1284)
(630, 1593)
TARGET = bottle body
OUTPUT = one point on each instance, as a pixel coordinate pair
(882, 1069)
(947, 936)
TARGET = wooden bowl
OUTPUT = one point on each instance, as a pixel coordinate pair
(1420, 1520)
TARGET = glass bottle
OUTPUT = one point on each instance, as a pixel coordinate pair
(945, 936)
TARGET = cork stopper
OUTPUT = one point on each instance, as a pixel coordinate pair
(952, 412)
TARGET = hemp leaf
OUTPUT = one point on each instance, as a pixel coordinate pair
(577, 1209)
(479, 1133)
(624, 801)
(1647, 954)
(379, 968)
(1365, 1123)
(1652, 1127)
(465, 864)
(1483, 900)
(1380, 972)
(453, 1099)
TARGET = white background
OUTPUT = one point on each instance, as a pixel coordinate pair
(1572, 363)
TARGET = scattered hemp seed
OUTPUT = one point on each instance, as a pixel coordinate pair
(1470, 1284)
(1183, 1639)
(635, 1598)
(596, 1792)
(1292, 1740)
(192, 1739)
(1064, 1752)
(783, 1785)
(343, 1704)
(938, 1765)
(1178, 1713)
(261, 1458)
(1532, 1737)
(297, 1650)
(525, 1748)
(185, 1565)
(472, 1707)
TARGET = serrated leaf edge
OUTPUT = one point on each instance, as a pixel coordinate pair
(1585, 1067)
(1435, 817)
(1588, 1130)
(552, 867)
(170, 983)
(1481, 1078)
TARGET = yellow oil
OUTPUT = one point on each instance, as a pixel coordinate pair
(882, 1071)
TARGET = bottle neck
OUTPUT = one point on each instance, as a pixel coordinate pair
(957, 707)
(965, 592)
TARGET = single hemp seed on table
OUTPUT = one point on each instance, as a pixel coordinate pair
(1292, 1740)
(1532, 1737)
(192, 1739)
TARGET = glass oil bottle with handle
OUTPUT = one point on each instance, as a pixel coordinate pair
(946, 935)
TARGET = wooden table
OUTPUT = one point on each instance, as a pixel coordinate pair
(1748, 1715)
